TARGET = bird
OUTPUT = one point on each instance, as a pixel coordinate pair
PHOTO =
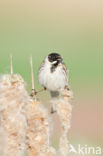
(53, 75)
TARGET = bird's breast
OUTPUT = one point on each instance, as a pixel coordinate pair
(53, 81)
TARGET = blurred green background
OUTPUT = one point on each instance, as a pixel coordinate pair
(75, 30)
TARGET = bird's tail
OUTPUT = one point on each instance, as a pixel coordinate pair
(55, 96)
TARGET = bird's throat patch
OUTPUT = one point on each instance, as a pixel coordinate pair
(53, 67)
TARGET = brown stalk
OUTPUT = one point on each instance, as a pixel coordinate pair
(33, 93)
(11, 64)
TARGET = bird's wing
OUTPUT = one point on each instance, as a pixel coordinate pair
(65, 72)
(39, 72)
(41, 67)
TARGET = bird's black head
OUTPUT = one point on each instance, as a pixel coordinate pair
(54, 57)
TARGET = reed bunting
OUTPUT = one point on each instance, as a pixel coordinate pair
(52, 74)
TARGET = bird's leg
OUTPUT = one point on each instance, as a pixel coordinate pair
(66, 87)
(41, 90)
(52, 110)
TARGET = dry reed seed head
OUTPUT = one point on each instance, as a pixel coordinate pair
(52, 152)
(2, 141)
(38, 131)
(66, 94)
(64, 110)
(48, 151)
(33, 152)
(13, 101)
(12, 88)
(15, 137)
(15, 80)
(63, 146)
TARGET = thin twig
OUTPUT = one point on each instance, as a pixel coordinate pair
(41, 90)
(32, 75)
(11, 64)
(32, 78)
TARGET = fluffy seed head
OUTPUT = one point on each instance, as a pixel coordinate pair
(13, 101)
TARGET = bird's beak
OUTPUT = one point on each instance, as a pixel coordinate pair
(60, 59)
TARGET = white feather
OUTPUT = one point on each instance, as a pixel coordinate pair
(53, 81)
